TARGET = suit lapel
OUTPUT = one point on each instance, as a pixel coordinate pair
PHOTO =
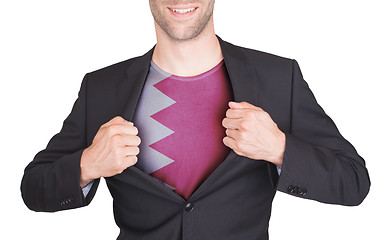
(129, 88)
(243, 79)
(242, 75)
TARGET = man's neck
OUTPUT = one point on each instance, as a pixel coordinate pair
(187, 58)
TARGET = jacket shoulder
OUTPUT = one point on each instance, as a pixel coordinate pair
(120, 70)
(257, 57)
(112, 72)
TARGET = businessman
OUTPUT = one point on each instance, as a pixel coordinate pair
(194, 138)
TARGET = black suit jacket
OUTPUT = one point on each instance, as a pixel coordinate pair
(235, 201)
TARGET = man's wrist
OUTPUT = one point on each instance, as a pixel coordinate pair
(279, 152)
(85, 177)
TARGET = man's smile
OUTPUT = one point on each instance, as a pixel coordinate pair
(182, 12)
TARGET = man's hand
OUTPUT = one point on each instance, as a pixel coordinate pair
(113, 149)
(252, 133)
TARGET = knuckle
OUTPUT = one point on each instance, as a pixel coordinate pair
(117, 118)
(223, 122)
(237, 145)
(103, 126)
(263, 116)
(132, 160)
(138, 140)
(240, 153)
(267, 115)
(243, 135)
(249, 114)
(116, 154)
(228, 112)
(243, 124)
(137, 150)
(120, 167)
(135, 131)
(120, 164)
(112, 129)
(115, 139)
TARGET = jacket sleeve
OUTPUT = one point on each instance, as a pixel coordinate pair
(51, 182)
(319, 163)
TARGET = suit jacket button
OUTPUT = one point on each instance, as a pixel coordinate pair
(189, 207)
(291, 189)
(302, 191)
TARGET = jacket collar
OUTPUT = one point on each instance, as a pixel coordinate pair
(242, 75)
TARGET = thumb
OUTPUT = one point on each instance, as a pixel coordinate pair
(239, 105)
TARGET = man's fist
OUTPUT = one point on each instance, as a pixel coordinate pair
(252, 133)
(114, 148)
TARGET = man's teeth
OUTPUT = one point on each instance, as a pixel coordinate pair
(183, 10)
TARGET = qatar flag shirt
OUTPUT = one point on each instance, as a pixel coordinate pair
(179, 122)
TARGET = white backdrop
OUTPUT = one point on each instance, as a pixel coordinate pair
(47, 47)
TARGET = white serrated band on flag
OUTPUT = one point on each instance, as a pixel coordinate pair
(150, 131)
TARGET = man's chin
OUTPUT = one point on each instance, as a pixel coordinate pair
(184, 35)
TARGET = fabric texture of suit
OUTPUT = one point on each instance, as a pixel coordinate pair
(235, 201)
